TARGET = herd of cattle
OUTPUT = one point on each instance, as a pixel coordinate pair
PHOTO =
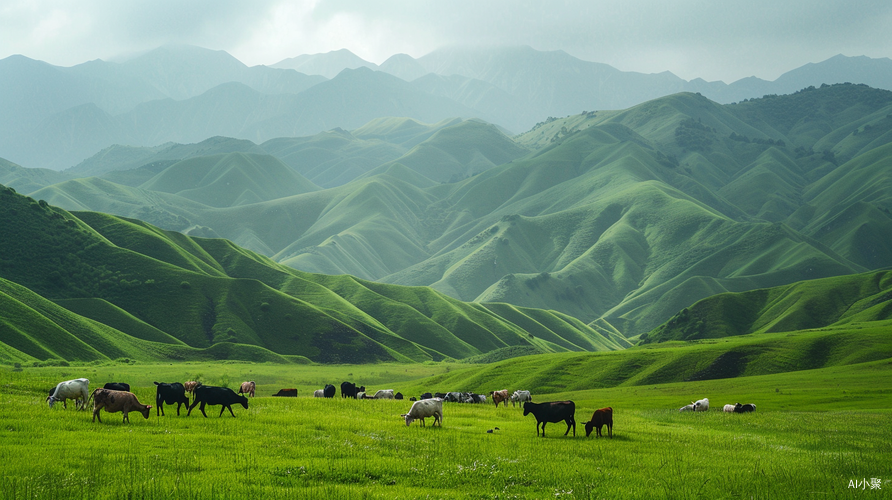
(116, 397)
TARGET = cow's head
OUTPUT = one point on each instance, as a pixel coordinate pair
(243, 401)
(527, 408)
(145, 411)
(51, 400)
(409, 419)
(589, 426)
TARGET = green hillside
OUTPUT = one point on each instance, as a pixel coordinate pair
(230, 180)
(858, 348)
(129, 289)
(821, 303)
(618, 218)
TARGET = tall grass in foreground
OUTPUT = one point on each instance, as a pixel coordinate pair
(312, 448)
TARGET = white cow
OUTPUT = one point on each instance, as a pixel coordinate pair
(383, 394)
(77, 389)
(728, 409)
(520, 397)
(425, 408)
(689, 407)
(319, 393)
(701, 404)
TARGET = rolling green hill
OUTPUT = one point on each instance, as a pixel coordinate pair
(821, 303)
(618, 218)
(114, 287)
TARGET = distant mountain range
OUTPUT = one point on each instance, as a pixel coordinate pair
(617, 218)
(54, 117)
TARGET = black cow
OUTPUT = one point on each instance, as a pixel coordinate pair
(426, 395)
(286, 393)
(439, 395)
(552, 412)
(398, 395)
(349, 390)
(329, 391)
(739, 408)
(117, 386)
(170, 394)
(210, 395)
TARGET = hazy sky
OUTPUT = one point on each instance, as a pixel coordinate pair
(713, 39)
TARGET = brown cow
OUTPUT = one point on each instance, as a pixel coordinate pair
(286, 393)
(499, 396)
(115, 401)
(191, 385)
(247, 388)
(600, 418)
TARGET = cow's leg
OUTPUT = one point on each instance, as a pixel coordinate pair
(194, 403)
(610, 429)
(126, 417)
(230, 411)
(96, 414)
(179, 403)
(201, 407)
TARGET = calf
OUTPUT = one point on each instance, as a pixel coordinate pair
(286, 393)
(318, 393)
(115, 401)
(117, 386)
(600, 418)
(739, 408)
(173, 393)
(499, 396)
(728, 409)
(423, 409)
(520, 397)
(77, 389)
(552, 412)
(210, 395)
(248, 388)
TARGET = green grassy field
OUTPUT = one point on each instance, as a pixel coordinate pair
(814, 431)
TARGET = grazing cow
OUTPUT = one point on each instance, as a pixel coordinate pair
(383, 394)
(209, 395)
(499, 396)
(170, 394)
(286, 393)
(115, 401)
(329, 391)
(77, 389)
(739, 408)
(600, 418)
(423, 409)
(413, 398)
(426, 395)
(728, 409)
(440, 395)
(520, 397)
(361, 395)
(689, 407)
(555, 411)
(248, 388)
(398, 395)
(117, 386)
(318, 393)
(701, 404)
(452, 397)
(470, 397)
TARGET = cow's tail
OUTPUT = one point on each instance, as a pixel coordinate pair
(90, 399)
